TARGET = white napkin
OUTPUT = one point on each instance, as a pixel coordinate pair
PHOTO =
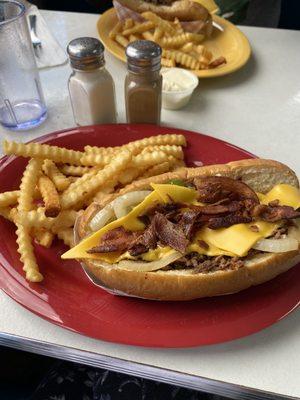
(51, 53)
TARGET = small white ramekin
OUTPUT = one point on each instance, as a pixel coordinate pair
(176, 99)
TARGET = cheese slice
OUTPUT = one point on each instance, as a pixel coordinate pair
(129, 221)
(237, 239)
(179, 194)
(286, 194)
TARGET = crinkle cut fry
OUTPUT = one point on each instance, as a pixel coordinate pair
(50, 196)
(43, 237)
(74, 170)
(43, 151)
(25, 249)
(138, 145)
(172, 150)
(60, 181)
(101, 178)
(5, 212)
(37, 219)
(67, 236)
(9, 198)
(28, 184)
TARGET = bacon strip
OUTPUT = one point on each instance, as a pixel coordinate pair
(170, 234)
(215, 188)
(228, 220)
(118, 239)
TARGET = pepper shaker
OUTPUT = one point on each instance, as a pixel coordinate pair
(143, 83)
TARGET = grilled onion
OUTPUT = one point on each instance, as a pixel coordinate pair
(102, 218)
(122, 204)
(277, 245)
(142, 266)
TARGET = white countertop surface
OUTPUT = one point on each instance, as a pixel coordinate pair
(257, 108)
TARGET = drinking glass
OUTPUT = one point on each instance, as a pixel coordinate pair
(22, 104)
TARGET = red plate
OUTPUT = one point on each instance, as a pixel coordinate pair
(67, 298)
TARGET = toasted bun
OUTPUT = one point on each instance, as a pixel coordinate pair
(184, 10)
(261, 175)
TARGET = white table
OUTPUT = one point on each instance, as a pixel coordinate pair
(257, 108)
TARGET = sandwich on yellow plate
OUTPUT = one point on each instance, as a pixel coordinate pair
(194, 233)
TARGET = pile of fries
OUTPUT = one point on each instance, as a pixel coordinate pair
(179, 48)
(58, 184)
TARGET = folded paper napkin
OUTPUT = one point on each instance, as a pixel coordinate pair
(123, 13)
(51, 53)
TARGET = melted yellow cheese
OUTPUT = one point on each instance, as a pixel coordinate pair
(286, 194)
(179, 194)
(129, 221)
(236, 240)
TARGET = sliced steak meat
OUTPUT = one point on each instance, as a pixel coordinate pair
(187, 222)
(118, 239)
(215, 188)
(232, 206)
(275, 213)
(204, 264)
(228, 220)
(169, 234)
(147, 240)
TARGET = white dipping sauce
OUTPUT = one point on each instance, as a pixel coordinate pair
(178, 86)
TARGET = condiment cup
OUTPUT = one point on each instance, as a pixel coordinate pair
(176, 99)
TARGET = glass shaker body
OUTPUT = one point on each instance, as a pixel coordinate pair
(92, 95)
(143, 97)
(91, 87)
(22, 104)
(143, 83)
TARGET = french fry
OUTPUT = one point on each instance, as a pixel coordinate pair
(217, 62)
(95, 159)
(159, 22)
(43, 151)
(9, 198)
(177, 25)
(128, 175)
(147, 160)
(101, 150)
(81, 180)
(123, 41)
(67, 236)
(5, 212)
(137, 146)
(139, 28)
(28, 183)
(158, 33)
(147, 36)
(60, 181)
(156, 170)
(188, 47)
(128, 23)
(181, 58)
(25, 249)
(74, 170)
(167, 63)
(180, 40)
(50, 196)
(133, 38)
(43, 237)
(175, 151)
(90, 186)
(116, 29)
(37, 219)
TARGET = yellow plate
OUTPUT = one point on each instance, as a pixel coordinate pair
(210, 5)
(231, 43)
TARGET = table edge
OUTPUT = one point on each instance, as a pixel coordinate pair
(137, 369)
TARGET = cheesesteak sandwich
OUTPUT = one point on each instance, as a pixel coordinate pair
(194, 233)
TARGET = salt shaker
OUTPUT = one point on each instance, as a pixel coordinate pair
(143, 83)
(91, 86)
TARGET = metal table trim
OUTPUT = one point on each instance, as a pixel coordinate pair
(137, 369)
